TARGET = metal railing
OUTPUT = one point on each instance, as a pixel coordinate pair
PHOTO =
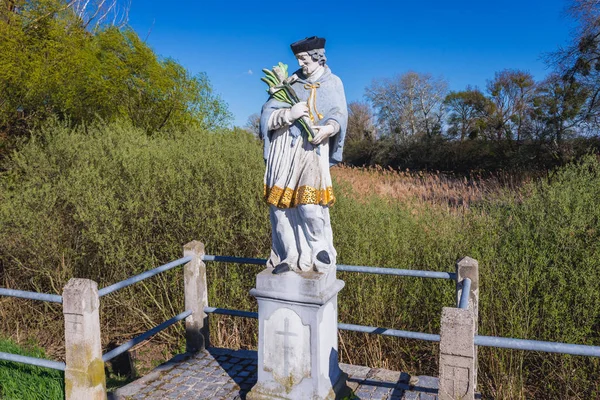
(538, 345)
(397, 272)
(343, 268)
(465, 284)
(144, 336)
(50, 298)
(464, 296)
(39, 362)
(151, 332)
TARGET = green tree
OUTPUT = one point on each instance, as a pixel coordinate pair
(52, 64)
(557, 104)
(580, 61)
(467, 112)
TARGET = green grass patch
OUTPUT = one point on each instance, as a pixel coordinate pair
(27, 382)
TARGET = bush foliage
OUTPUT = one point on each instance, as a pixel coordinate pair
(469, 156)
(51, 64)
(107, 201)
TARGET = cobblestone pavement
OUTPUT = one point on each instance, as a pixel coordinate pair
(229, 374)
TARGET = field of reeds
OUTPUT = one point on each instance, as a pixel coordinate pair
(433, 188)
(107, 202)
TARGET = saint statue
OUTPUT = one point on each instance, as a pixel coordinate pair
(297, 179)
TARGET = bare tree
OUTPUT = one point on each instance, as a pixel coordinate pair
(408, 105)
(91, 13)
(253, 124)
(361, 124)
(511, 91)
(94, 13)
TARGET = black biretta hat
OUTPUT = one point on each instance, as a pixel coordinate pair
(310, 43)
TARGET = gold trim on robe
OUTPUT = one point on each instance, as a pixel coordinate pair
(288, 197)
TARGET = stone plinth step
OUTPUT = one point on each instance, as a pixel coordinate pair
(230, 374)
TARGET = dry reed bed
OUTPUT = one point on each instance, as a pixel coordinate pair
(436, 188)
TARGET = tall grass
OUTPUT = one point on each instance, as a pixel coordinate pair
(106, 202)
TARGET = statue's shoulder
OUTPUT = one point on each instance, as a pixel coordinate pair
(334, 78)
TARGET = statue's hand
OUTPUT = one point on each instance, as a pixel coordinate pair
(322, 132)
(291, 79)
(299, 110)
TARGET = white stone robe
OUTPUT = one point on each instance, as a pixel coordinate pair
(297, 181)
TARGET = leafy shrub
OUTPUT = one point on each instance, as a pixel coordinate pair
(52, 65)
(106, 201)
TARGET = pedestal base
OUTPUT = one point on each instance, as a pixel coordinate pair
(297, 341)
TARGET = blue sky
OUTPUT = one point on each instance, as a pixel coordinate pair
(466, 42)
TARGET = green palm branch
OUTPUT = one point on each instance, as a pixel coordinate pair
(283, 91)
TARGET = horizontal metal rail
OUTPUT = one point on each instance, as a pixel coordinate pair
(138, 339)
(537, 345)
(52, 298)
(144, 275)
(347, 327)
(398, 272)
(464, 296)
(237, 260)
(345, 268)
(390, 332)
(490, 341)
(234, 313)
(39, 362)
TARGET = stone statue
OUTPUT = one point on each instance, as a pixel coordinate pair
(301, 142)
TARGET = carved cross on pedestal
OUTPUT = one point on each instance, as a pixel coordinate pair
(286, 345)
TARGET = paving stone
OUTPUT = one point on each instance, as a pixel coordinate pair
(363, 394)
(385, 375)
(355, 371)
(227, 374)
(411, 396)
(381, 390)
(427, 382)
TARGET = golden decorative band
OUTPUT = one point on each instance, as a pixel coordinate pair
(286, 198)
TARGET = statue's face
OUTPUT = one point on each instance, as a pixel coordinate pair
(306, 63)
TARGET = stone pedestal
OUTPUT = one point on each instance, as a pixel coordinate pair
(297, 341)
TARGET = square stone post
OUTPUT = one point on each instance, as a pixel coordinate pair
(468, 267)
(84, 372)
(196, 298)
(457, 355)
(298, 336)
